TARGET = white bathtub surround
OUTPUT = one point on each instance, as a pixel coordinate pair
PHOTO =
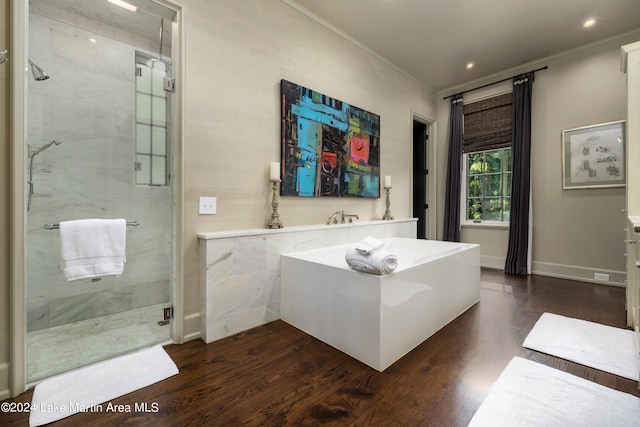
(378, 319)
(240, 270)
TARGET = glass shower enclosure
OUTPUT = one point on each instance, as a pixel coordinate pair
(99, 146)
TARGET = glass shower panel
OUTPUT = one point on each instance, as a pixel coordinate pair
(143, 138)
(159, 141)
(143, 164)
(159, 71)
(143, 83)
(143, 108)
(159, 111)
(158, 170)
(152, 102)
(110, 161)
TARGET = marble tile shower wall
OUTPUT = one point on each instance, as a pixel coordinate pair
(88, 104)
(240, 271)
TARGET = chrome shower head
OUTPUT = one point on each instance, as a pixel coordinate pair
(38, 73)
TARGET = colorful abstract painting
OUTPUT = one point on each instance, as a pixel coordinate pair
(329, 148)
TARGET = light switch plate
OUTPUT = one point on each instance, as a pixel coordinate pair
(207, 206)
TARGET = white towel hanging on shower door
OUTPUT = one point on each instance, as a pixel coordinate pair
(93, 248)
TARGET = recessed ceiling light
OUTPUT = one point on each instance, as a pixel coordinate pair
(470, 65)
(589, 23)
(123, 4)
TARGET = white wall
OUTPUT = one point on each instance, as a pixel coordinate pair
(236, 54)
(575, 232)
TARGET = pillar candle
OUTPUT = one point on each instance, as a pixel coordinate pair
(275, 171)
(387, 181)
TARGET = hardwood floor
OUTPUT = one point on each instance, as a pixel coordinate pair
(275, 375)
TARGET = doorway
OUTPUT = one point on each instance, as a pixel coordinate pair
(421, 177)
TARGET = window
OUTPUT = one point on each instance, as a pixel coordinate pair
(488, 185)
(152, 108)
(487, 160)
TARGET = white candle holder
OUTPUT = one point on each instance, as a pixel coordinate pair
(387, 214)
(274, 221)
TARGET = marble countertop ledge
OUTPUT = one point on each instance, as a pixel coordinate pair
(295, 228)
(635, 220)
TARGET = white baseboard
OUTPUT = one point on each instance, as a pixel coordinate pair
(191, 326)
(581, 274)
(192, 336)
(497, 263)
(560, 271)
(5, 393)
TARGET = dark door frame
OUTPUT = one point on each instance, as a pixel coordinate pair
(423, 175)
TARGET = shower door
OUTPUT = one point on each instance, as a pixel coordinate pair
(99, 115)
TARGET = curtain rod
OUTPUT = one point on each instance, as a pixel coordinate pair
(495, 83)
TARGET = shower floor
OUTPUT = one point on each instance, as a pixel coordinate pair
(66, 347)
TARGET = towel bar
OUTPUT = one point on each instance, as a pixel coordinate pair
(57, 226)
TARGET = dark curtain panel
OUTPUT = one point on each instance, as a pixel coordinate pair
(517, 251)
(454, 172)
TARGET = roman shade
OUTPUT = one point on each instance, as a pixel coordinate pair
(487, 124)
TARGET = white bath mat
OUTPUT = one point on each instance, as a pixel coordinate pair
(530, 394)
(591, 344)
(91, 386)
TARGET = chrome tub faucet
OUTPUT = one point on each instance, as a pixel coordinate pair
(333, 219)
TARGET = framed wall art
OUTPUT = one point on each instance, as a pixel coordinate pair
(329, 148)
(594, 156)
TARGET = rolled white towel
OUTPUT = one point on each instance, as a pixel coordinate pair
(380, 262)
(369, 245)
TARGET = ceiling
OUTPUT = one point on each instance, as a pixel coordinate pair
(433, 40)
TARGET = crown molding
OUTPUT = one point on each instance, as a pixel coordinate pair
(306, 12)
